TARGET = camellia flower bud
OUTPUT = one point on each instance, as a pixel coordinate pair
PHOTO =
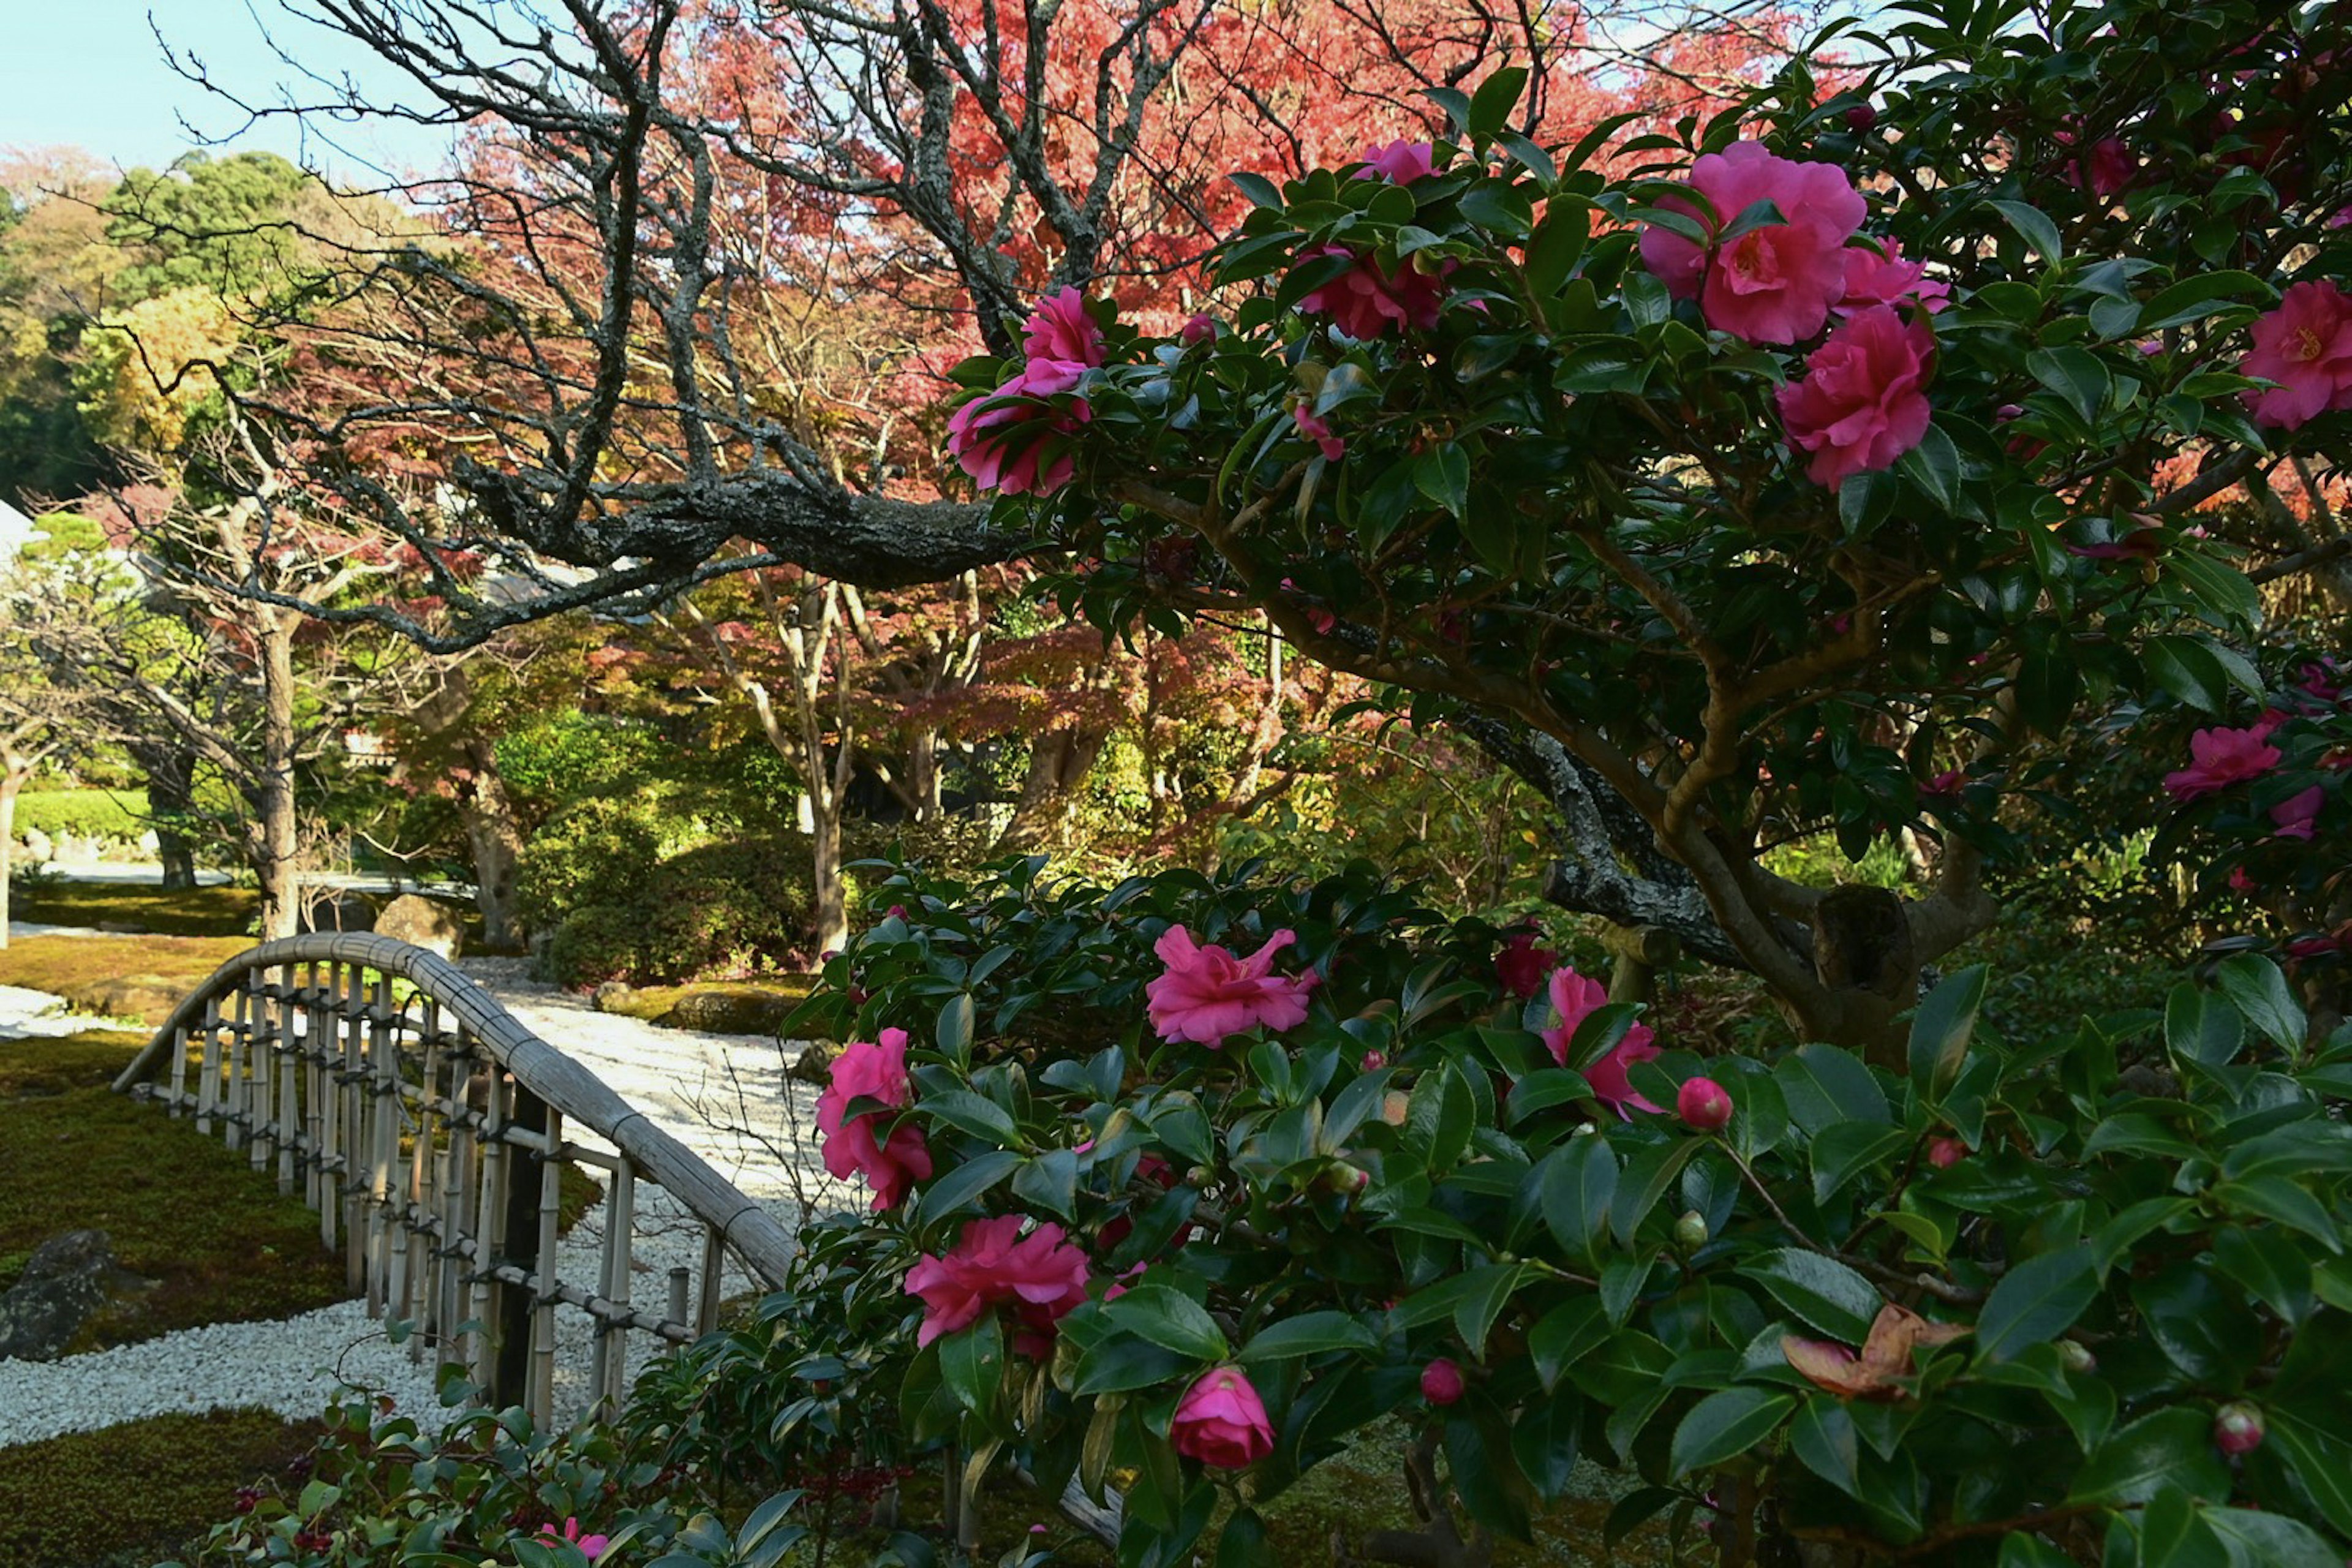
(1946, 1153)
(1690, 1231)
(1197, 329)
(1861, 118)
(2238, 1429)
(2077, 1356)
(1703, 1105)
(1441, 1382)
(1374, 1061)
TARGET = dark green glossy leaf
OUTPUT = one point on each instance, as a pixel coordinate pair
(1825, 1294)
(1727, 1423)
(2171, 1447)
(1941, 1032)
(2036, 1301)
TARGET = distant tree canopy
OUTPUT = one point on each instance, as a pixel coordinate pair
(165, 254)
(225, 224)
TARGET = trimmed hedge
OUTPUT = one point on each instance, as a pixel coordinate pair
(119, 815)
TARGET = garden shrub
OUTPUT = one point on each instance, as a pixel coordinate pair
(631, 894)
(117, 817)
(2058, 1298)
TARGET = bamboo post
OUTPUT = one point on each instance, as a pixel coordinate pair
(517, 1243)
(460, 1189)
(609, 1364)
(680, 1278)
(258, 1063)
(489, 1239)
(354, 1101)
(319, 1117)
(282, 1046)
(415, 1260)
(386, 1222)
(543, 1284)
(233, 1111)
(209, 1084)
(714, 1264)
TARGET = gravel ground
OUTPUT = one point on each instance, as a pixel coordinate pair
(726, 1097)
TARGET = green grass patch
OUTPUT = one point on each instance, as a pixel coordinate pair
(124, 1496)
(185, 1210)
(164, 911)
(138, 979)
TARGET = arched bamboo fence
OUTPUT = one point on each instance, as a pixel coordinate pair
(428, 1129)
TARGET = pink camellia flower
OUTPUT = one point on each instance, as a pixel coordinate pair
(2239, 881)
(2220, 758)
(1521, 965)
(1871, 279)
(1859, 405)
(1366, 302)
(1042, 1273)
(2238, 1429)
(1704, 1105)
(984, 432)
(1312, 426)
(1398, 163)
(2144, 542)
(1321, 619)
(591, 1547)
(2340, 219)
(1060, 329)
(2304, 345)
(873, 1072)
(2109, 166)
(1222, 1421)
(1949, 782)
(1197, 329)
(1208, 994)
(1441, 1382)
(1774, 284)
(1575, 998)
(2320, 680)
(1946, 1153)
(2298, 814)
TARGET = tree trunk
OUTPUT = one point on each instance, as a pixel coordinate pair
(9, 784)
(1058, 764)
(275, 837)
(494, 835)
(829, 911)
(170, 797)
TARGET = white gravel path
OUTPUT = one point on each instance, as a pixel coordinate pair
(727, 1096)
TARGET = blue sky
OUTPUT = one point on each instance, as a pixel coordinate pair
(90, 73)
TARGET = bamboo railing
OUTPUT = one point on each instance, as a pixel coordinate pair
(428, 1129)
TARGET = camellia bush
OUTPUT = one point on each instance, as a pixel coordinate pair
(1807, 470)
(1179, 1187)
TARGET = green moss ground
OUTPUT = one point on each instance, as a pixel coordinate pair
(176, 911)
(77, 967)
(183, 1208)
(67, 1503)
